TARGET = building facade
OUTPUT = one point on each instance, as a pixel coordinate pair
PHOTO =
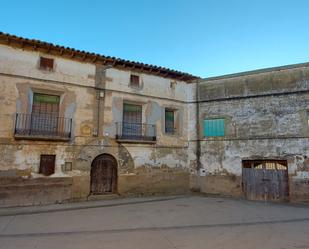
(254, 134)
(76, 125)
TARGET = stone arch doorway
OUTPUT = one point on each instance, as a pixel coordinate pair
(103, 175)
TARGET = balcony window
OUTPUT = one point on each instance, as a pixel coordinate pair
(46, 110)
(44, 120)
(45, 103)
(132, 121)
(132, 128)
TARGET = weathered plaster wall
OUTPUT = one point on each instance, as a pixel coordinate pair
(150, 85)
(19, 164)
(265, 117)
(35, 191)
(17, 62)
(143, 168)
(148, 168)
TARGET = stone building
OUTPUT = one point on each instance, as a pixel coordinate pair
(77, 125)
(254, 134)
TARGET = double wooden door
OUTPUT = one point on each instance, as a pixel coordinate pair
(265, 180)
(103, 175)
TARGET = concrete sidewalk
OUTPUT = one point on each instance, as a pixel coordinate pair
(9, 211)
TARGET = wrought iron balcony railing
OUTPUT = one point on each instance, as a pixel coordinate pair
(42, 125)
(135, 132)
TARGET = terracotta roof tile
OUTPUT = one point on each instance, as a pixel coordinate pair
(15, 41)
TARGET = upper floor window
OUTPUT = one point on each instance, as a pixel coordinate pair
(45, 103)
(44, 120)
(169, 121)
(132, 113)
(134, 80)
(132, 127)
(46, 63)
(214, 127)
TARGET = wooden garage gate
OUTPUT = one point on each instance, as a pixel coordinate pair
(265, 180)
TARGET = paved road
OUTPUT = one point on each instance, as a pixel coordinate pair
(187, 222)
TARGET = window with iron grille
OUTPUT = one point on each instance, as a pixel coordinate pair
(214, 127)
(134, 80)
(169, 121)
(46, 63)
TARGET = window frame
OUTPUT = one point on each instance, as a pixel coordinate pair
(42, 169)
(135, 81)
(46, 63)
(50, 101)
(174, 123)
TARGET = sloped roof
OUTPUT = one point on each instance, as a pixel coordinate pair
(84, 56)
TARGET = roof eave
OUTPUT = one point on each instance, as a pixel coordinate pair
(83, 56)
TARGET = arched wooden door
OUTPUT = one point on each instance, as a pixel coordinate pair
(103, 175)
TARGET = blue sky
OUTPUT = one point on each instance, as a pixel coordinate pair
(202, 37)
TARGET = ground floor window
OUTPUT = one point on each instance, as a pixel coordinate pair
(47, 164)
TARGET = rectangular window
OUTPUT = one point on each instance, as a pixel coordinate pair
(45, 103)
(45, 115)
(46, 63)
(47, 164)
(132, 113)
(132, 121)
(68, 166)
(169, 121)
(214, 127)
(134, 80)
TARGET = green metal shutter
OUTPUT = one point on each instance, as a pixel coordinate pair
(169, 121)
(214, 127)
(45, 98)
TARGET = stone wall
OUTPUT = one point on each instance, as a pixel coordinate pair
(93, 96)
(39, 191)
(265, 117)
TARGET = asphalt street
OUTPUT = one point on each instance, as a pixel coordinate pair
(181, 222)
